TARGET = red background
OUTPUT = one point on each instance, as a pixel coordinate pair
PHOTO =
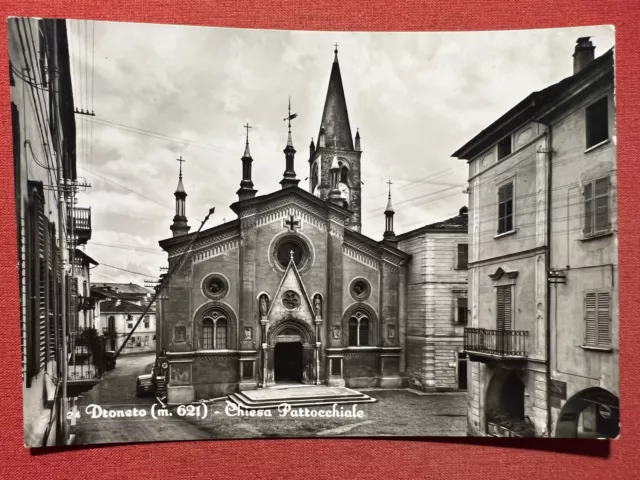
(350, 458)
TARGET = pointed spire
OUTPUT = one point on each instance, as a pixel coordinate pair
(357, 140)
(246, 189)
(180, 226)
(335, 118)
(389, 236)
(389, 208)
(312, 149)
(289, 177)
(180, 187)
(247, 153)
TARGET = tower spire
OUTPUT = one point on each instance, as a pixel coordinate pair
(180, 226)
(246, 185)
(335, 118)
(289, 177)
(389, 236)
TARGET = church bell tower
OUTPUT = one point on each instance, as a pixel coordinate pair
(335, 141)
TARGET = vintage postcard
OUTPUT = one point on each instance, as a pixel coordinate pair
(228, 233)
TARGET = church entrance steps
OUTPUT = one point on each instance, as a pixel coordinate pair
(298, 396)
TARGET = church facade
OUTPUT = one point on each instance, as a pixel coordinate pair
(290, 291)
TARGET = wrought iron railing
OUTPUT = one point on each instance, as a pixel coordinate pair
(86, 303)
(87, 359)
(80, 219)
(499, 343)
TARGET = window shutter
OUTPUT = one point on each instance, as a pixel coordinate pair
(462, 311)
(463, 255)
(588, 209)
(604, 320)
(41, 343)
(590, 319)
(602, 205)
(503, 318)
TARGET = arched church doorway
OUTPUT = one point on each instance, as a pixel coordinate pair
(287, 362)
(591, 413)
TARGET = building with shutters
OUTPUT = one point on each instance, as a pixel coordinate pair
(50, 228)
(543, 333)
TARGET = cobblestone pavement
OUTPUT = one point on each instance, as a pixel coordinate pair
(117, 391)
(396, 413)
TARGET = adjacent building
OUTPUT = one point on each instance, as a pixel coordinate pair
(543, 334)
(119, 306)
(437, 304)
(48, 226)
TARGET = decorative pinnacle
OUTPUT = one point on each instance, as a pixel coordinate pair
(291, 255)
(181, 160)
(288, 119)
(336, 53)
(247, 153)
(389, 205)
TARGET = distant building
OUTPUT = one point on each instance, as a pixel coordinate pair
(437, 304)
(543, 333)
(119, 308)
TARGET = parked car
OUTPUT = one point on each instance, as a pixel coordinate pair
(144, 385)
(111, 359)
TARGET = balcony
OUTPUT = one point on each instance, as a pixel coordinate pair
(484, 345)
(86, 303)
(87, 361)
(80, 225)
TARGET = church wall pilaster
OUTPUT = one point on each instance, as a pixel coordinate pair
(335, 282)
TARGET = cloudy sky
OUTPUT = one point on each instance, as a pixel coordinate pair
(160, 91)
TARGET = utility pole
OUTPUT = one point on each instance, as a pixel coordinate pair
(176, 266)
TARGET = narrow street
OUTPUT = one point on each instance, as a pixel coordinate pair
(117, 391)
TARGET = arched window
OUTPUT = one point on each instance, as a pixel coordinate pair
(207, 334)
(353, 332)
(221, 333)
(363, 336)
(214, 332)
(358, 331)
(344, 174)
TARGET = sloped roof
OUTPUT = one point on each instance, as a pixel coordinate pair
(459, 223)
(532, 105)
(122, 306)
(116, 289)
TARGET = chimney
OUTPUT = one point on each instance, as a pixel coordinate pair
(583, 54)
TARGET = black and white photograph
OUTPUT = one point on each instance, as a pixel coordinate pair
(239, 233)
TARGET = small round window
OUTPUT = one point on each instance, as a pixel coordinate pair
(360, 289)
(290, 247)
(215, 286)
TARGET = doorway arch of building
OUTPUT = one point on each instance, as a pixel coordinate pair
(590, 413)
(291, 356)
(505, 403)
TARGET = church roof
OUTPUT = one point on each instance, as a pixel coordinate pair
(335, 118)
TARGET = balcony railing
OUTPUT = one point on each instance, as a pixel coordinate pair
(502, 344)
(87, 360)
(80, 224)
(86, 303)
